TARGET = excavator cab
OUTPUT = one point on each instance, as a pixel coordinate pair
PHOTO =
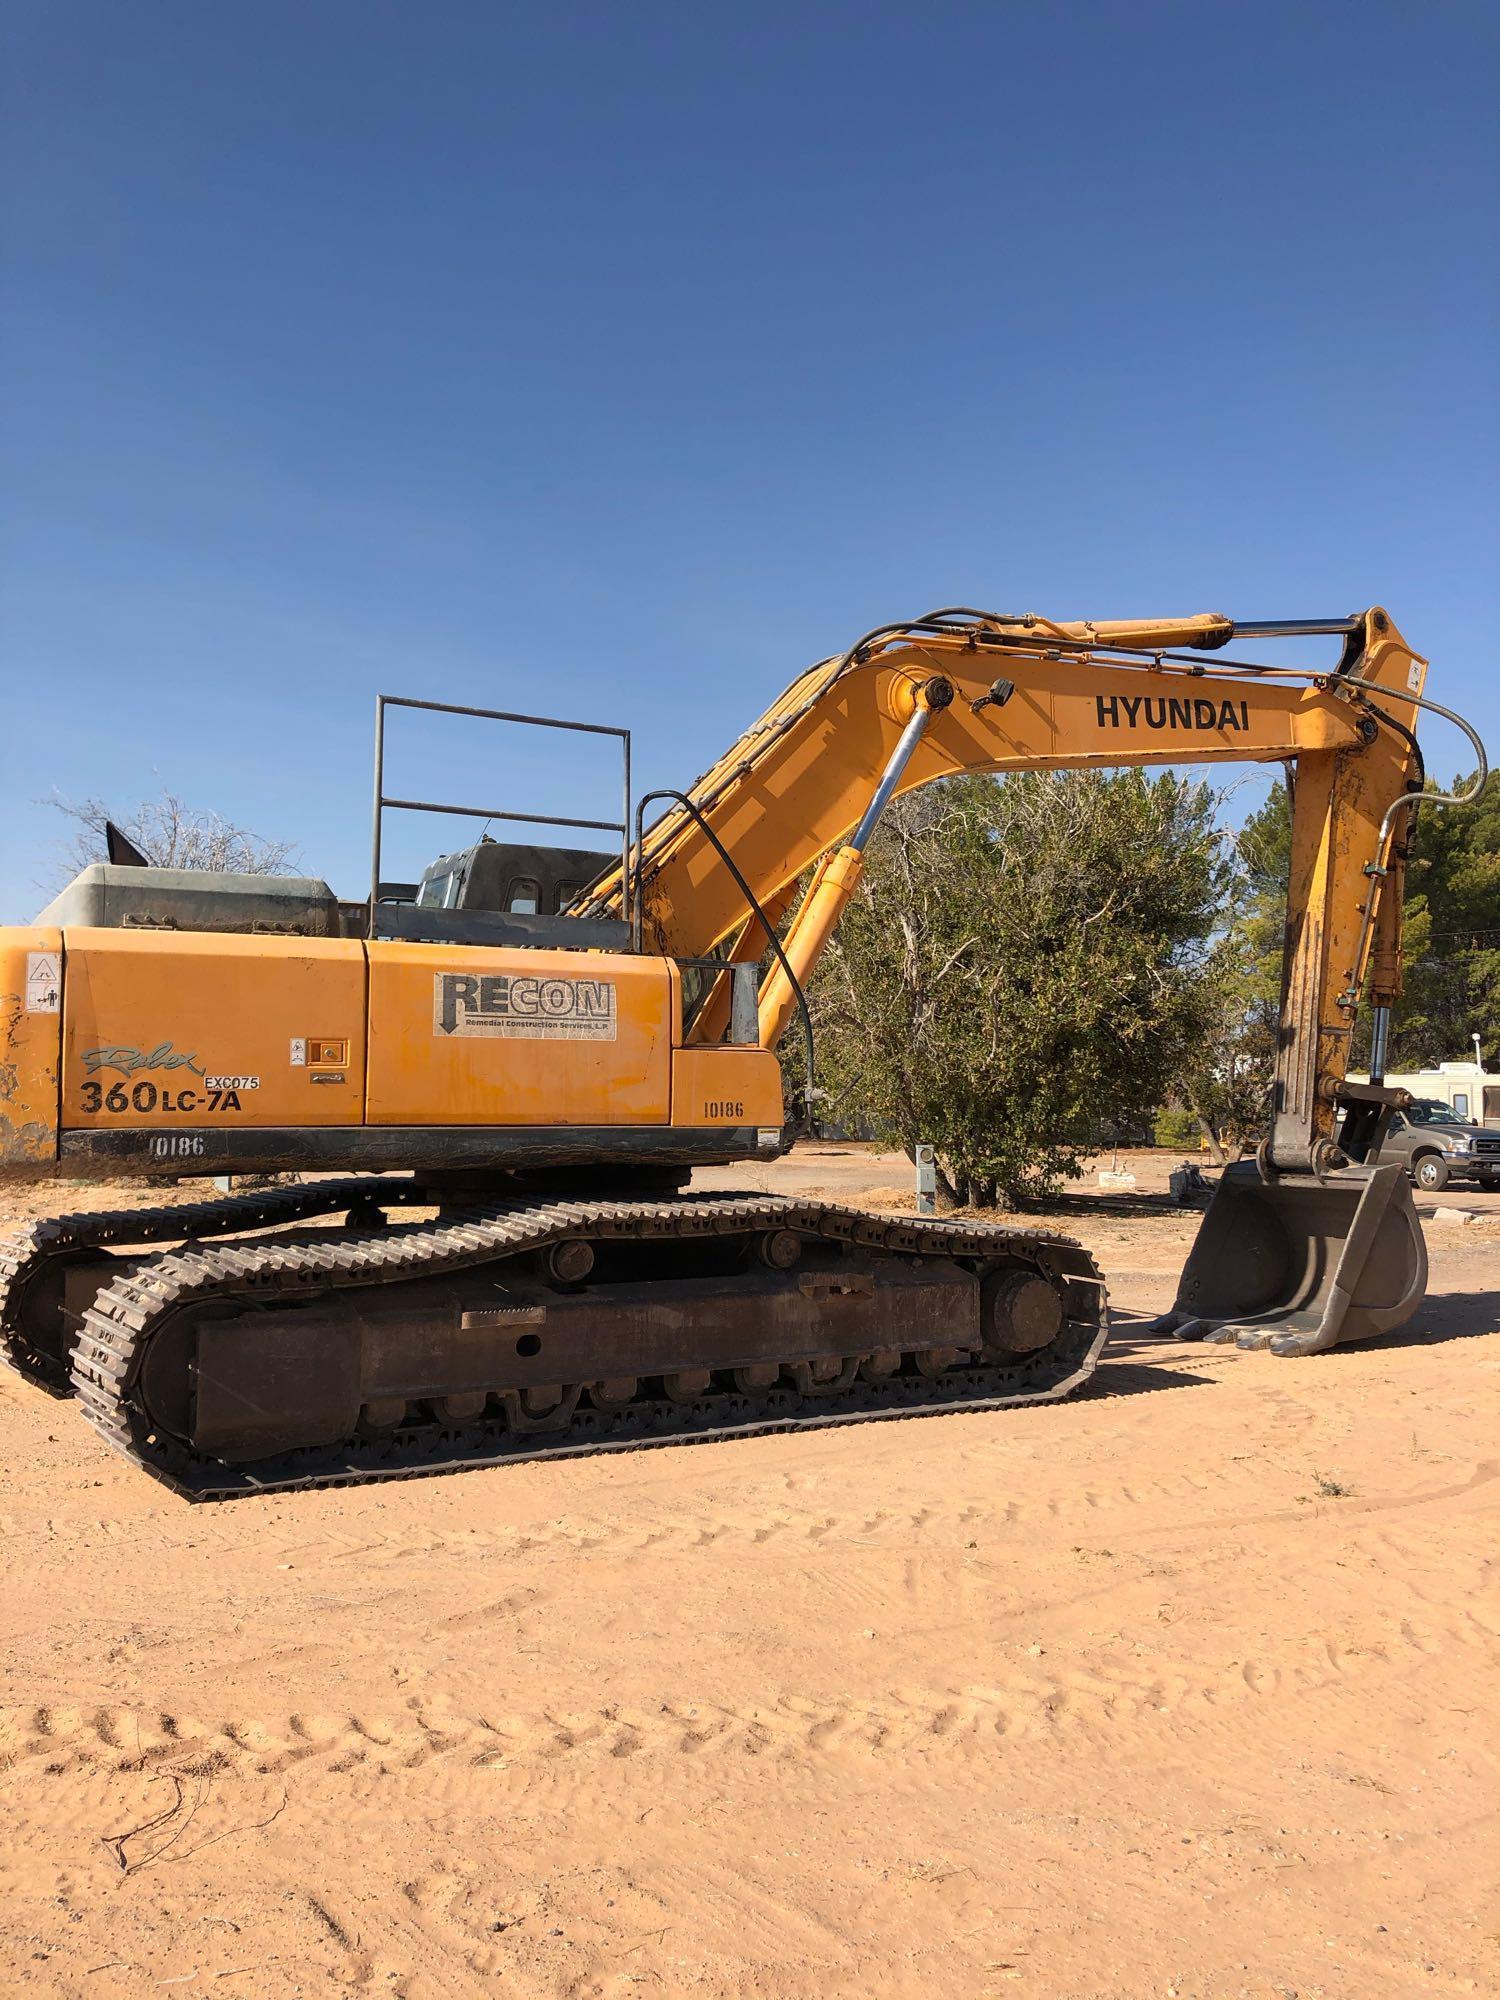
(521, 880)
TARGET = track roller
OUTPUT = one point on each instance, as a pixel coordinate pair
(935, 1361)
(686, 1385)
(825, 1376)
(460, 1409)
(385, 1413)
(779, 1249)
(614, 1393)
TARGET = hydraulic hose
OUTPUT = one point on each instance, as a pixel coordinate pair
(1411, 799)
(1436, 707)
(753, 903)
(932, 621)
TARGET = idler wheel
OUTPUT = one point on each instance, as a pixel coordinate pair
(1022, 1312)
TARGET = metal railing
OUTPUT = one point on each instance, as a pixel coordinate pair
(384, 803)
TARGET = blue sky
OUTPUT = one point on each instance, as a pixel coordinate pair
(617, 361)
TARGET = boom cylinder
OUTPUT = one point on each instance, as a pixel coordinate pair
(1380, 1034)
(837, 876)
(816, 922)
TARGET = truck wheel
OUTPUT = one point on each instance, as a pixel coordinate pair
(1431, 1172)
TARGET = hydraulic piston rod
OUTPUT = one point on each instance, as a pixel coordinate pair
(837, 875)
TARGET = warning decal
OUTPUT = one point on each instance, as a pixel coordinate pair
(43, 982)
(543, 1010)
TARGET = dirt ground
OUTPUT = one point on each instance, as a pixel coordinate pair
(1186, 1687)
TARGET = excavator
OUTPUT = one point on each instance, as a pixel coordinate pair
(470, 1106)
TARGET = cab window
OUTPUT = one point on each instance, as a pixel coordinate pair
(438, 892)
(1428, 1111)
(525, 898)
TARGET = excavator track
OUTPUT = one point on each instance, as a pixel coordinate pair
(169, 1296)
(34, 1342)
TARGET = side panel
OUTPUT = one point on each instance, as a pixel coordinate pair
(31, 969)
(472, 1035)
(179, 1031)
(726, 1087)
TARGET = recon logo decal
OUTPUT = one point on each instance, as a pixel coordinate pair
(1129, 711)
(524, 1008)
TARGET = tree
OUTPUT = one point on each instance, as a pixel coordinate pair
(1023, 963)
(1227, 1081)
(1451, 952)
(1450, 956)
(170, 834)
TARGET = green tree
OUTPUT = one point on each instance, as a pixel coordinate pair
(1023, 963)
(1450, 954)
(1451, 951)
(1227, 1080)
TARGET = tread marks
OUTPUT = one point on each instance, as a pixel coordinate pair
(959, 1720)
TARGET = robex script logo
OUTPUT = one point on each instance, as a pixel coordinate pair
(543, 1010)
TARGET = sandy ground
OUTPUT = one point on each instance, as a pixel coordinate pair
(1187, 1687)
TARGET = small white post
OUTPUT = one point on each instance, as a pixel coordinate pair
(927, 1180)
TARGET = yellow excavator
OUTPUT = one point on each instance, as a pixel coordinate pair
(495, 1083)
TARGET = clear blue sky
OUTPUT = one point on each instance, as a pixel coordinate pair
(618, 360)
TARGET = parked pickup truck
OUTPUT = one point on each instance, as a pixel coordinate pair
(1437, 1146)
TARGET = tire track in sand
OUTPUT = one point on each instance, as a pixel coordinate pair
(1028, 1699)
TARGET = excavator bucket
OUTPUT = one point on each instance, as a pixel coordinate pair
(1297, 1263)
